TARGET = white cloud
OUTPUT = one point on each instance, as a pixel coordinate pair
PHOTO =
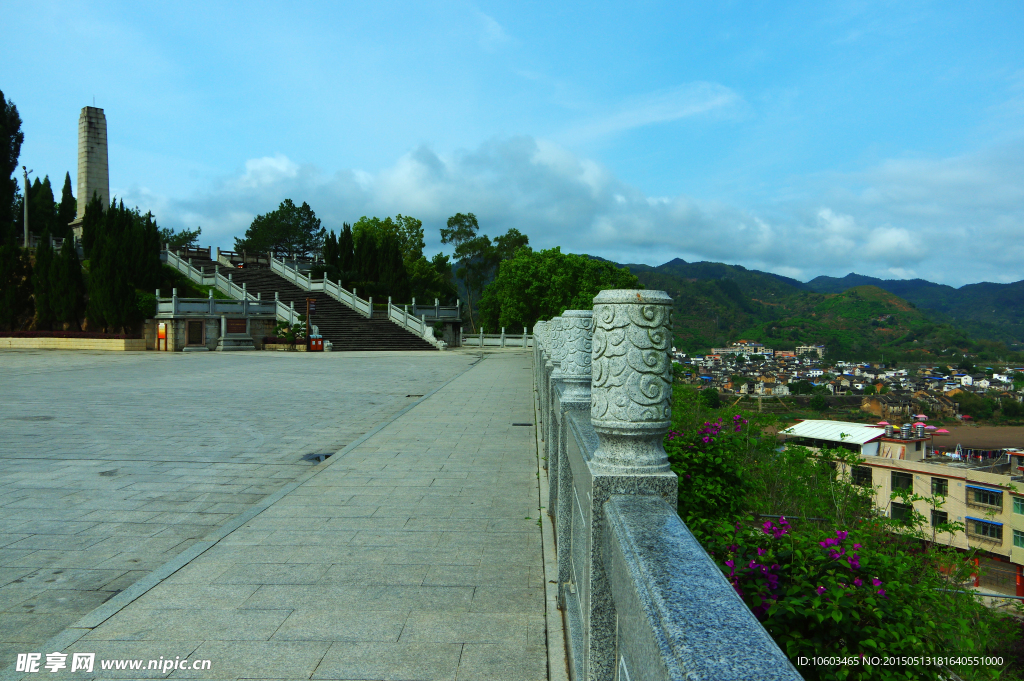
(871, 222)
(266, 171)
(492, 35)
(664, 106)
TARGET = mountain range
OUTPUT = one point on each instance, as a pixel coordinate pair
(856, 315)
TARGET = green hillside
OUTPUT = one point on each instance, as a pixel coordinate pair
(717, 303)
(985, 310)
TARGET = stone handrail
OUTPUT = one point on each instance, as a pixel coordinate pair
(336, 291)
(174, 306)
(497, 340)
(641, 598)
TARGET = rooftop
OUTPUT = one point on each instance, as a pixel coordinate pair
(835, 431)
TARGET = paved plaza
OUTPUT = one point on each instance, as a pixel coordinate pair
(165, 505)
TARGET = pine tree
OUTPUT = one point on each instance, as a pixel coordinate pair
(67, 210)
(41, 282)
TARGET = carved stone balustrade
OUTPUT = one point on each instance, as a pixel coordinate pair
(640, 597)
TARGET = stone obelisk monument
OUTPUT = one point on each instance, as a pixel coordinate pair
(92, 162)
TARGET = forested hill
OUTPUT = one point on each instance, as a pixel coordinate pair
(716, 303)
(986, 310)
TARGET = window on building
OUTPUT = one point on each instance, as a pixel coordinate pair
(988, 530)
(985, 497)
(901, 512)
(861, 475)
(939, 517)
(917, 446)
(940, 486)
(1018, 539)
(902, 480)
(1018, 505)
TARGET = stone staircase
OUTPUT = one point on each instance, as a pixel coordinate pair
(345, 328)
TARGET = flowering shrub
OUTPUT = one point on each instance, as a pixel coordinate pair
(849, 593)
(708, 463)
(831, 577)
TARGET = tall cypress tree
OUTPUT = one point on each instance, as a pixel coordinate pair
(67, 210)
(92, 223)
(41, 282)
(11, 138)
(66, 286)
(42, 211)
(345, 251)
(15, 286)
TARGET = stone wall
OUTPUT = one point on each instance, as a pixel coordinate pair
(118, 344)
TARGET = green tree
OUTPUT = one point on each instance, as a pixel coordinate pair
(346, 255)
(42, 211)
(66, 210)
(92, 223)
(472, 253)
(15, 286)
(819, 403)
(432, 279)
(186, 238)
(11, 138)
(124, 269)
(537, 285)
(67, 288)
(41, 289)
(394, 278)
(291, 229)
(869, 389)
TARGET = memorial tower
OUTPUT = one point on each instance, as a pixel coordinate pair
(92, 162)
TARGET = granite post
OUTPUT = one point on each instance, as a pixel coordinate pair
(630, 410)
(574, 396)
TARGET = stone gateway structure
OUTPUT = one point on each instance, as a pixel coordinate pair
(93, 177)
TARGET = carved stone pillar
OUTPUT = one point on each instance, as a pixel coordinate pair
(577, 362)
(578, 328)
(558, 350)
(631, 391)
(551, 330)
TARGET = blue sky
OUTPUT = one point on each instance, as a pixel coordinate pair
(799, 138)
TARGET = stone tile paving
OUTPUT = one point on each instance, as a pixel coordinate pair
(414, 555)
(113, 463)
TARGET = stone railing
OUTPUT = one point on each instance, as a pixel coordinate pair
(497, 340)
(641, 598)
(175, 306)
(436, 312)
(334, 290)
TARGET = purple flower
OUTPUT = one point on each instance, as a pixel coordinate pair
(854, 562)
(752, 564)
(842, 534)
(875, 581)
(820, 590)
(730, 563)
(761, 551)
(858, 582)
(881, 592)
(856, 546)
